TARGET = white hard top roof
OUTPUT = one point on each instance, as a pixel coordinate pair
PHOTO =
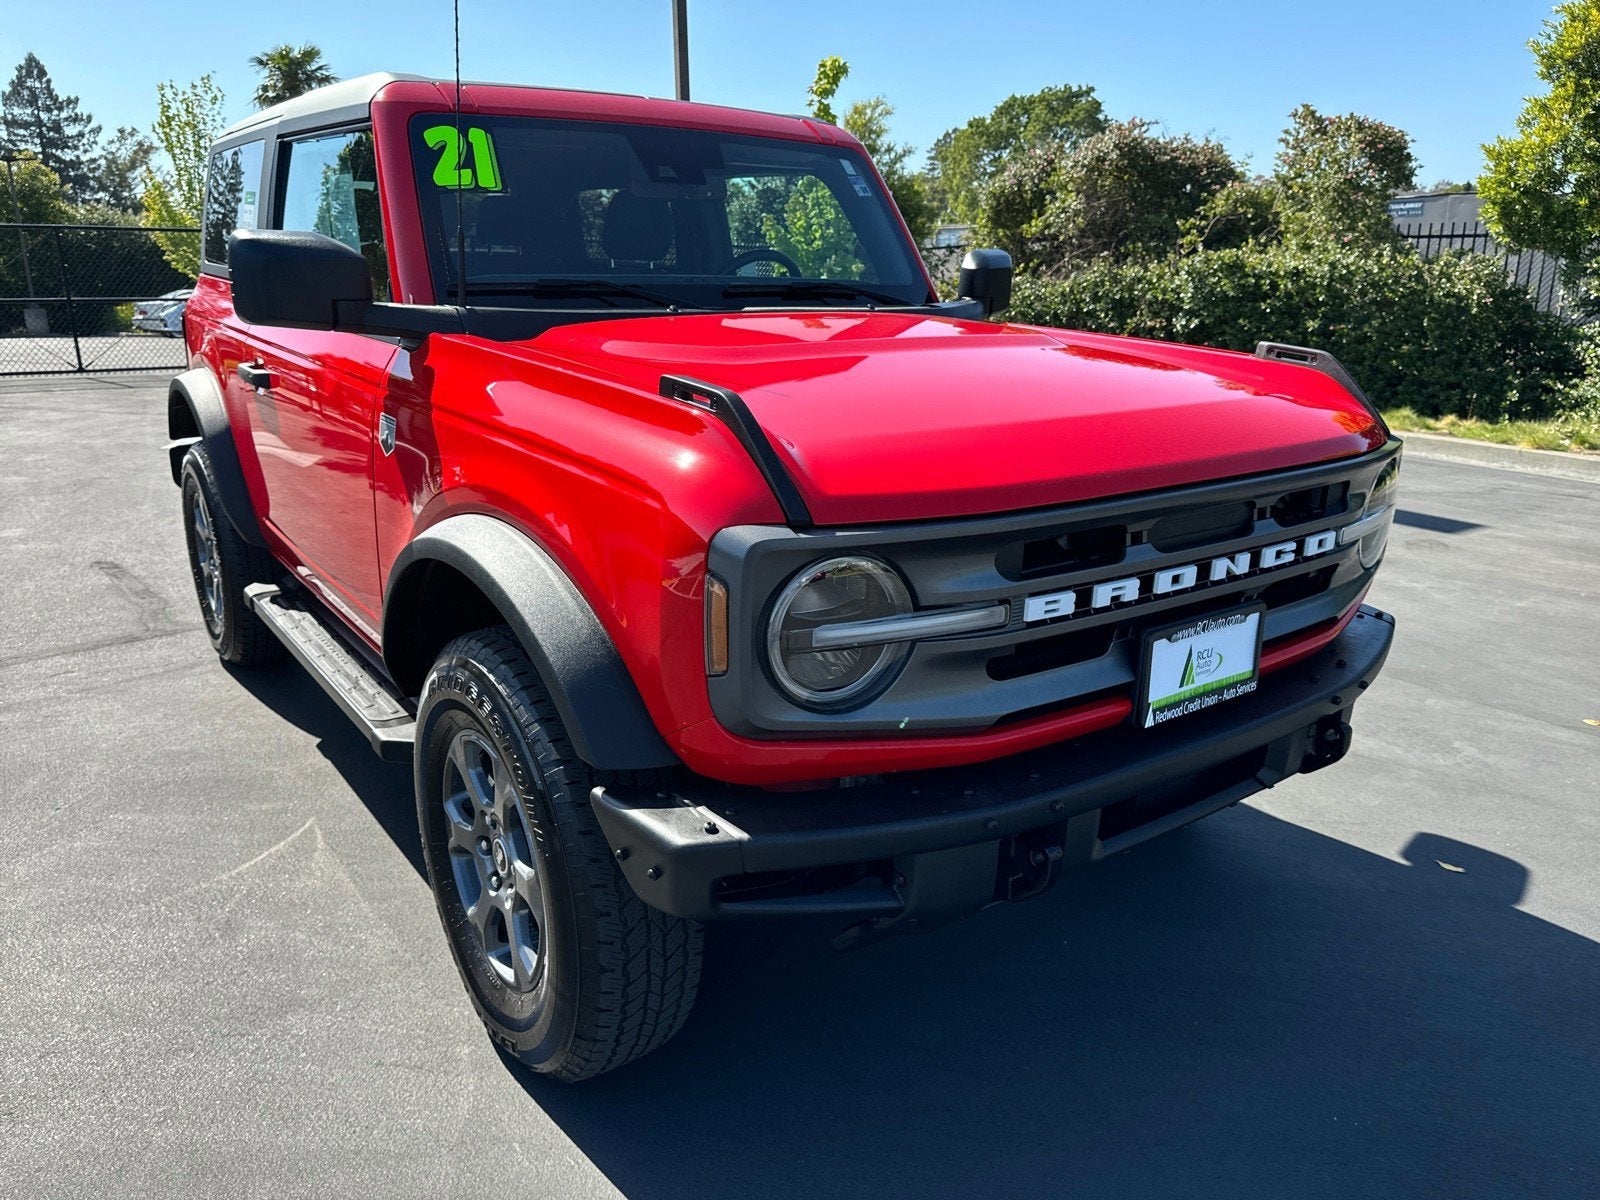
(347, 100)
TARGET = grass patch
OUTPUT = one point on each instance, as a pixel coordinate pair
(1571, 432)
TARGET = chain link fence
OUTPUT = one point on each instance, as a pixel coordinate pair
(943, 257)
(90, 298)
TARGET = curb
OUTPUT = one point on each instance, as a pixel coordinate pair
(1559, 463)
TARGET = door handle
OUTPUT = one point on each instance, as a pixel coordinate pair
(257, 377)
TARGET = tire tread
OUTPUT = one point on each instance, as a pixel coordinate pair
(641, 965)
(247, 642)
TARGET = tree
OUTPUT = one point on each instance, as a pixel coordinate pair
(119, 171)
(1337, 175)
(963, 160)
(1541, 188)
(1121, 193)
(825, 86)
(61, 136)
(814, 232)
(33, 195)
(289, 71)
(188, 120)
(1247, 212)
(868, 120)
(1014, 203)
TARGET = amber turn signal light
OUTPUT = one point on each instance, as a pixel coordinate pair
(716, 626)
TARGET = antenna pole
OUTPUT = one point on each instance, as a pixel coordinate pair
(680, 46)
(461, 221)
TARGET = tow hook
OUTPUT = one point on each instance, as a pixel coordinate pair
(1330, 741)
(1030, 866)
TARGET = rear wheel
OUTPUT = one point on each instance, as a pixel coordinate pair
(569, 970)
(223, 565)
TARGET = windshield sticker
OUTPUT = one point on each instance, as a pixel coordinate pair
(863, 188)
(466, 158)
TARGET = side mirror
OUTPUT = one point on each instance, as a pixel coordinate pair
(986, 278)
(294, 279)
(305, 280)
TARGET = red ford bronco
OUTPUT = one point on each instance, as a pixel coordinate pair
(615, 461)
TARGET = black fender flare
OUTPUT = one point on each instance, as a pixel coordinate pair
(195, 413)
(576, 660)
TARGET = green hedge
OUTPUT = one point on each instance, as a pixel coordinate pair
(1448, 335)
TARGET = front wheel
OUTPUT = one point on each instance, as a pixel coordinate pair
(223, 565)
(569, 970)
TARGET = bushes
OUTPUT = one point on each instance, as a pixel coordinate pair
(1163, 238)
(1336, 175)
(1120, 193)
(1441, 336)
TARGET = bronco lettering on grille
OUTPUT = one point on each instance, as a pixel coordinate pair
(1167, 580)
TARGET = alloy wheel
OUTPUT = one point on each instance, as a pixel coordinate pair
(494, 861)
(207, 562)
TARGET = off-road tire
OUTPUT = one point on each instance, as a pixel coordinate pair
(615, 978)
(236, 633)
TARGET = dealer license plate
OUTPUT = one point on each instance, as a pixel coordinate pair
(1198, 664)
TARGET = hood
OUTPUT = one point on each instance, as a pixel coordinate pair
(893, 417)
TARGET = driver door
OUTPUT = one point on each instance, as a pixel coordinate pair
(316, 420)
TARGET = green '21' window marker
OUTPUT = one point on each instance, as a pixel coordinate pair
(453, 170)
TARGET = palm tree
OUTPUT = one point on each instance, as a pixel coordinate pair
(287, 72)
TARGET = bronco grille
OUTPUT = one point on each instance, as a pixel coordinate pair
(1190, 528)
(1081, 584)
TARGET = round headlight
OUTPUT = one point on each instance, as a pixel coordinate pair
(1380, 505)
(830, 593)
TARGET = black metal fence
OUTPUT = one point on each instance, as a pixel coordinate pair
(85, 298)
(1534, 270)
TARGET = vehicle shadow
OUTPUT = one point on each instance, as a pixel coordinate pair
(385, 788)
(1244, 1008)
(1241, 1009)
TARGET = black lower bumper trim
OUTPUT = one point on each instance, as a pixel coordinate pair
(680, 849)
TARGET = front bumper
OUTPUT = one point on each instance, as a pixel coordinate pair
(917, 848)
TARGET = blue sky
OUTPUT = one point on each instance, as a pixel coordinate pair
(1452, 75)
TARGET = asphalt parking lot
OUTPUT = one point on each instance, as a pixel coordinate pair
(223, 973)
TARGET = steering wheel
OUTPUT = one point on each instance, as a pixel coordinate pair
(761, 254)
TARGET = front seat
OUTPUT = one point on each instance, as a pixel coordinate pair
(637, 230)
(528, 237)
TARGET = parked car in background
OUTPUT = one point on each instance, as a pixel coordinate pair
(164, 314)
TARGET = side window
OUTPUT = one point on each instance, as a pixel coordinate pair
(233, 178)
(331, 186)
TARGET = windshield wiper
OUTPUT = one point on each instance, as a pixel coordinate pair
(566, 287)
(842, 288)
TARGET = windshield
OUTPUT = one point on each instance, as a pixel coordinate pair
(558, 213)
